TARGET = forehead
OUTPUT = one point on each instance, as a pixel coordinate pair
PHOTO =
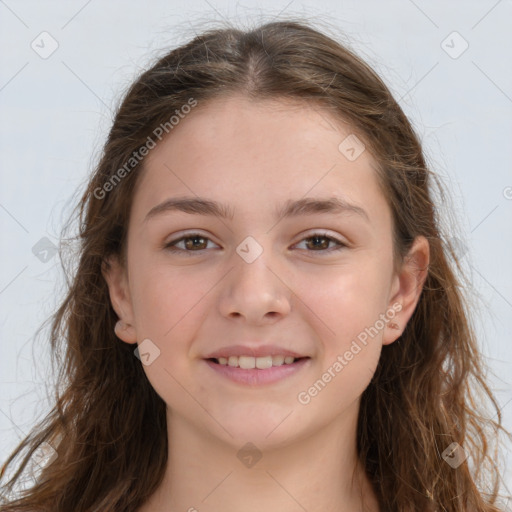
(253, 154)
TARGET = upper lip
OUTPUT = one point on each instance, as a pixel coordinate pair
(259, 351)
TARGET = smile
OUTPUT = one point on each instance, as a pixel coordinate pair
(256, 371)
(249, 362)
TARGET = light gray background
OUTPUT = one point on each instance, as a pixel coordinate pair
(55, 112)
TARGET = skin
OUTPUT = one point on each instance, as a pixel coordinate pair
(254, 157)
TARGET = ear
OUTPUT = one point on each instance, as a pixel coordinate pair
(406, 288)
(117, 280)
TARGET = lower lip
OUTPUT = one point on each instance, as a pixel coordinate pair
(257, 377)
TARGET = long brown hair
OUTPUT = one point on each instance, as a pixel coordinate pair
(108, 426)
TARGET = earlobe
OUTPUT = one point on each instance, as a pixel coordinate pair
(125, 332)
(407, 288)
(117, 282)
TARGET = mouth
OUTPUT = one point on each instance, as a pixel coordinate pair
(250, 362)
(257, 371)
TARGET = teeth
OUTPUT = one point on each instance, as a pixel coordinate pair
(263, 362)
(277, 360)
(249, 362)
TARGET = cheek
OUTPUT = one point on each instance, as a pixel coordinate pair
(169, 309)
(171, 304)
(167, 298)
(346, 299)
(349, 306)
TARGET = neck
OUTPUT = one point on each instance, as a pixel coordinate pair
(320, 472)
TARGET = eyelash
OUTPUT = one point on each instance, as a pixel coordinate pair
(170, 246)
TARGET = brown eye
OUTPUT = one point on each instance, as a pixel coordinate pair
(319, 242)
(195, 242)
(191, 243)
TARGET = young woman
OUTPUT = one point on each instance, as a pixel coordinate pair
(265, 315)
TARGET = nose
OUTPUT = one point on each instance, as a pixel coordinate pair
(255, 291)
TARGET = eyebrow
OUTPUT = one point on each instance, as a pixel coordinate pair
(292, 208)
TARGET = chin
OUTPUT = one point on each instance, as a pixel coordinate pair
(267, 427)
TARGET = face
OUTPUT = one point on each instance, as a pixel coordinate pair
(299, 265)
